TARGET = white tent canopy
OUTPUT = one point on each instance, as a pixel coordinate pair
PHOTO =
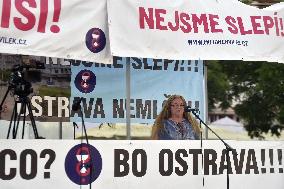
(226, 121)
(228, 124)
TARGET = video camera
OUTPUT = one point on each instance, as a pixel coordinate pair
(18, 79)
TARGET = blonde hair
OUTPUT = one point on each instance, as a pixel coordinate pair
(166, 114)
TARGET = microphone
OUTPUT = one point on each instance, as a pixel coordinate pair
(75, 125)
(189, 109)
(77, 104)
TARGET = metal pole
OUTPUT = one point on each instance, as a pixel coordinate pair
(2, 69)
(60, 125)
(60, 128)
(206, 98)
(128, 129)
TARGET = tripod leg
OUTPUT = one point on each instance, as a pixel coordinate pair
(24, 120)
(12, 118)
(32, 118)
(17, 117)
(3, 100)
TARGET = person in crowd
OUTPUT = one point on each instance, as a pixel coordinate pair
(173, 123)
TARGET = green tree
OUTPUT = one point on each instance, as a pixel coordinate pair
(257, 87)
(258, 90)
(218, 85)
(247, 1)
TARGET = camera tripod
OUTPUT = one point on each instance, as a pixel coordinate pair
(25, 104)
(20, 89)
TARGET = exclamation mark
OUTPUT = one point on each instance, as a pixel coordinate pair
(196, 66)
(280, 160)
(181, 66)
(189, 65)
(176, 65)
(196, 104)
(189, 103)
(271, 160)
(42, 16)
(263, 170)
(56, 14)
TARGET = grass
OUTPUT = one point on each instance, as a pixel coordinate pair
(54, 91)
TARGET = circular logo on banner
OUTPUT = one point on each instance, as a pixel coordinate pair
(95, 40)
(85, 81)
(83, 164)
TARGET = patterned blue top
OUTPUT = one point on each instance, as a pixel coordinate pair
(177, 131)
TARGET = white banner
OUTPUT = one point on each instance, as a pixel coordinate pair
(189, 30)
(29, 164)
(72, 29)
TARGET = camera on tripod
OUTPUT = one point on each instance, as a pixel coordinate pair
(17, 82)
(21, 88)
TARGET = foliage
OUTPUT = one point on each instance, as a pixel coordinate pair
(217, 84)
(261, 1)
(258, 90)
(247, 1)
(267, 1)
(5, 74)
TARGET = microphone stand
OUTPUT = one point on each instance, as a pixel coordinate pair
(74, 129)
(228, 147)
(86, 138)
(83, 125)
(201, 146)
